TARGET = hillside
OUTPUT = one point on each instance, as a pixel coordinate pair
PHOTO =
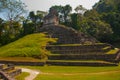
(28, 46)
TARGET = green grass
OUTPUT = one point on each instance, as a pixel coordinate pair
(22, 76)
(113, 51)
(111, 76)
(76, 73)
(28, 46)
(20, 59)
(72, 69)
(107, 47)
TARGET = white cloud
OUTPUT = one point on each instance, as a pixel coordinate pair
(44, 5)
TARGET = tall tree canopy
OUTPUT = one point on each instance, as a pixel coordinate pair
(107, 6)
(63, 12)
(11, 28)
(110, 13)
(80, 9)
(13, 9)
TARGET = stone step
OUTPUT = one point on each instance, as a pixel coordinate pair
(8, 72)
(15, 72)
(8, 68)
(78, 46)
(79, 49)
(5, 76)
(1, 66)
(82, 57)
(79, 63)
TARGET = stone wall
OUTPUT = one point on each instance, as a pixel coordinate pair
(23, 63)
(8, 72)
(3, 76)
(80, 63)
(15, 72)
(105, 57)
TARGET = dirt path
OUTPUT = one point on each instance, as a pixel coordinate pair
(32, 75)
(93, 73)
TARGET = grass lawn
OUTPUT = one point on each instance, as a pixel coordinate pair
(111, 76)
(76, 73)
(22, 76)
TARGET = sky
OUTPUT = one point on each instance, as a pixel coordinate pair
(44, 5)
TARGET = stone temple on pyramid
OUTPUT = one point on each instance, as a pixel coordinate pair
(74, 48)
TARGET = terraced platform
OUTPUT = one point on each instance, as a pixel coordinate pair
(79, 49)
(8, 72)
(82, 55)
(105, 57)
(79, 63)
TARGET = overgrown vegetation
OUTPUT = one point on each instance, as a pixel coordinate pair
(109, 10)
(28, 46)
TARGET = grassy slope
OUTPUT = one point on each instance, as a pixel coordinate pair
(28, 46)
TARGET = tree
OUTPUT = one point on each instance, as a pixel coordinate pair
(74, 21)
(1, 30)
(80, 9)
(92, 14)
(97, 27)
(99, 30)
(107, 6)
(63, 12)
(59, 10)
(113, 19)
(10, 29)
(90, 23)
(32, 16)
(28, 27)
(37, 18)
(66, 11)
(40, 15)
(13, 9)
(2, 4)
(109, 10)
(103, 6)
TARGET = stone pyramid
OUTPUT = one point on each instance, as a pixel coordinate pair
(67, 35)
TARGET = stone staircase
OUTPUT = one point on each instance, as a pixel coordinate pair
(8, 72)
(81, 55)
(79, 49)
